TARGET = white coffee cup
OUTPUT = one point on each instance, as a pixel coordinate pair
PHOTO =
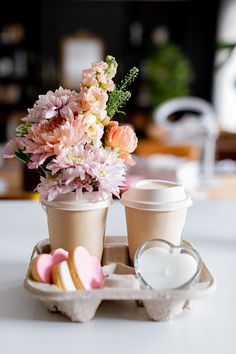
(154, 209)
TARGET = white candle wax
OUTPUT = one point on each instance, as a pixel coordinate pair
(163, 270)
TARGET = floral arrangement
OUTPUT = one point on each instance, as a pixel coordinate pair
(70, 138)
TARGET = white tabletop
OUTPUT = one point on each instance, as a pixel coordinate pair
(26, 326)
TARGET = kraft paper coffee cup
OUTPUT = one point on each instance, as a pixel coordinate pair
(154, 209)
(82, 222)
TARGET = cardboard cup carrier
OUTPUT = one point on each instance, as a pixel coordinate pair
(73, 222)
(154, 209)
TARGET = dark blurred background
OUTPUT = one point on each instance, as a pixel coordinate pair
(32, 33)
(46, 44)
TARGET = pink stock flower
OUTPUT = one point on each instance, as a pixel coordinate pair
(99, 75)
(122, 139)
(105, 121)
(53, 136)
(105, 84)
(88, 78)
(93, 99)
(109, 70)
(12, 146)
(99, 67)
(61, 102)
(93, 128)
(103, 118)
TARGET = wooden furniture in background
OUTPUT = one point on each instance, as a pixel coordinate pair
(150, 146)
(226, 146)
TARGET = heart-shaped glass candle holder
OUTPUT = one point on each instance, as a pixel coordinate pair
(160, 265)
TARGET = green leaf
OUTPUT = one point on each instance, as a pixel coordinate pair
(25, 159)
(41, 171)
(22, 156)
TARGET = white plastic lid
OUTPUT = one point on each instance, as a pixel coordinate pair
(156, 195)
(89, 201)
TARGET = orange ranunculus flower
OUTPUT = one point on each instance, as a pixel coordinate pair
(122, 139)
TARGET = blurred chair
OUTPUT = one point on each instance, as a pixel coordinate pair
(197, 125)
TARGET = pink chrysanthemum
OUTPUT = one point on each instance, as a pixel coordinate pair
(109, 171)
(74, 161)
(59, 103)
(87, 168)
(51, 137)
(50, 187)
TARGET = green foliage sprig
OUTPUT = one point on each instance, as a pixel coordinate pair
(119, 96)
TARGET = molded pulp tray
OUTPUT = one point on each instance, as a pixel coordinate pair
(81, 305)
